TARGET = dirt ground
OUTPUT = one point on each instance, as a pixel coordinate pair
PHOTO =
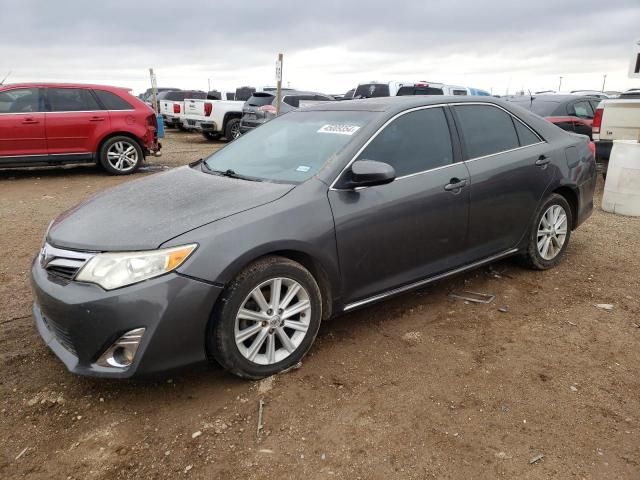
(421, 386)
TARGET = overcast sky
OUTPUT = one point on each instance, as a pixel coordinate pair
(329, 46)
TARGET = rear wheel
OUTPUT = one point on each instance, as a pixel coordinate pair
(232, 130)
(550, 233)
(211, 136)
(121, 155)
(266, 320)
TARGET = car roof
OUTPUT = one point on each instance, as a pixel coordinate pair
(392, 104)
(67, 85)
(554, 98)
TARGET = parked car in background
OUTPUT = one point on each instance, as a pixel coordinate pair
(261, 107)
(370, 90)
(378, 89)
(572, 113)
(172, 105)
(213, 118)
(322, 211)
(615, 119)
(147, 96)
(57, 123)
(590, 93)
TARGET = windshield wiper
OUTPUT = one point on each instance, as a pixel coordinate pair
(229, 173)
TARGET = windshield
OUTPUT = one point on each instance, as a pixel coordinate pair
(538, 106)
(290, 148)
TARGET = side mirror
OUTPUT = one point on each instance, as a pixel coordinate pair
(367, 173)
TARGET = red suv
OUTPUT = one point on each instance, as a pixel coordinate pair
(52, 124)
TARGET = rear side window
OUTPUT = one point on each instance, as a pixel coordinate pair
(581, 109)
(20, 100)
(71, 100)
(371, 90)
(111, 101)
(459, 92)
(486, 130)
(525, 135)
(260, 99)
(412, 143)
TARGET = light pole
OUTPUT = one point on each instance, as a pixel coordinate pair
(604, 81)
(560, 85)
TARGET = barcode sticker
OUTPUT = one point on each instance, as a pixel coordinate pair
(339, 129)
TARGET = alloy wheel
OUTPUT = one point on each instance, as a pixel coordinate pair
(552, 232)
(235, 131)
(122, 156)
(272, 321)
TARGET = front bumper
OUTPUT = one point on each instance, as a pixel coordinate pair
(80, 321)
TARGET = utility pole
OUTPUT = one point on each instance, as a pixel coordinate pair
(604, 81)
(279, 83)
(560, 85)
(154, 90)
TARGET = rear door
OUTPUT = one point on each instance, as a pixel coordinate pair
(414, 227)
(510, 167)
(22, 123)
(74, 121)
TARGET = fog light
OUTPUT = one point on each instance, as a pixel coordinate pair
(122, 352)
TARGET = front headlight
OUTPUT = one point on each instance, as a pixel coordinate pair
(115, 270)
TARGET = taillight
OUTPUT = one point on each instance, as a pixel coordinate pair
(208, 108)
(176, 108)
(151, 120)
(597, 121)
(268, 108)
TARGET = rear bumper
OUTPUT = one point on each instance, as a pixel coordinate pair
(171, 120)
(80, 321)
(603, 152)
(199, 125)
(247, 126)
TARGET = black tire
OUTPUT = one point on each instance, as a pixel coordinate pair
(181, 127)
(211, 136)
(111, 146)
(232, 129)
(221, 340)
(533, 257)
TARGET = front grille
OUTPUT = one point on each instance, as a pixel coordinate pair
(64, 264)
(61, 334)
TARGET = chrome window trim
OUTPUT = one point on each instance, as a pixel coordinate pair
(377, 132)
(425, 281)
(66, 111)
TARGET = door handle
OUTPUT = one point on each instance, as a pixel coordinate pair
(455, 184)
(96, 119)
(30, 121)
(543, 161)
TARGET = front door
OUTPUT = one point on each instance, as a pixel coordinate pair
(414, 227)
(510, 167)
(22, 124)
(74, 121)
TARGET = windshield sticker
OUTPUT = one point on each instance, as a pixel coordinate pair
(303, 168)
(339, 129)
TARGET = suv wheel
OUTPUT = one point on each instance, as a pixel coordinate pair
(232, 130)
(550, 233)
(121, 155)
(266, 320)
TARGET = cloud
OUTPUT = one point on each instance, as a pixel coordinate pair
(329, 45)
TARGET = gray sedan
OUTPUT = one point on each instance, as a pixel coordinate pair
(238, 258)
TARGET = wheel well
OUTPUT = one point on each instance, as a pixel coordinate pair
(572, 198)
(229, 116)
(119, 134)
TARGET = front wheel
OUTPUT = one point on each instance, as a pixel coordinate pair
(266, 320)
(121, 155)
(232, 130)
(550, 234)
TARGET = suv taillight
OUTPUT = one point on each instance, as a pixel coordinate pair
(208, 108)
(597, 121)
(176, 108)
(268, 108)
(151, 120)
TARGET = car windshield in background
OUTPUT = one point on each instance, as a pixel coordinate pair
(411, 90)
(371, 90)
(291, 148)
(260, 99)
(540, 107)
(181, 95)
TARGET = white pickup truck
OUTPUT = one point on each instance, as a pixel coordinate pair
(214, 118)
(614, 119)
(171, 105)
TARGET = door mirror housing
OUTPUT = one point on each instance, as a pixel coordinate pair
(368, 173)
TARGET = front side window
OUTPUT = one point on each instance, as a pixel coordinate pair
(412, 143)
(20, 100)
(581, 110)
(71, 100)
(111, 101)
(290, 148)
(486, 130)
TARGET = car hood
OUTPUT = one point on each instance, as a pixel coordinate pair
(143, 214)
